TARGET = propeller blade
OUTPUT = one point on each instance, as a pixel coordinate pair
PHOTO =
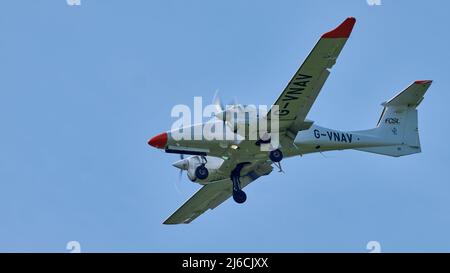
(233, 102)
(180, 175)
(175, 183)
(218, 102)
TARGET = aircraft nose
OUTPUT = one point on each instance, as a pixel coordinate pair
(158, 141)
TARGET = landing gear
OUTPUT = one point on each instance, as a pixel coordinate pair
(238, 195)
(201, 172)
(276, 155)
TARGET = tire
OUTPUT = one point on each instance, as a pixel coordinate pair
(201, 172)
(239, 196)
(276, 155)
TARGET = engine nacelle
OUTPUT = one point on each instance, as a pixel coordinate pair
(242, 118)
(190, 164)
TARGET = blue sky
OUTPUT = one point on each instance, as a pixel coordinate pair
(83, 88)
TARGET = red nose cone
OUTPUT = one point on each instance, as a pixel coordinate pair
(158, 141)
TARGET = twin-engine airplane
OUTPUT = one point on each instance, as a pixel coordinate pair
(224, 167)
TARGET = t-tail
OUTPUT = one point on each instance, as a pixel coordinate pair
(398, 123)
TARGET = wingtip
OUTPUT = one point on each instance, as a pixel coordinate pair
(423, 82)
(167, 222)
(174, 222)
(343, 30)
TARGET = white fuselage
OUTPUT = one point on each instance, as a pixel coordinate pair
(315, 139)
(319, 139)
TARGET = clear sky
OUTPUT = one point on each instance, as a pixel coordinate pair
(83, 88)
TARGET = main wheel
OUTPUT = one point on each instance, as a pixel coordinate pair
(276, 155)
(239, 196)
(201, 172)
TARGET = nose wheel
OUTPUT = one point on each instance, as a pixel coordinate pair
(239, 195)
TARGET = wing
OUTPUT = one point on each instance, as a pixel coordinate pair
(212, 195)
(299, 95)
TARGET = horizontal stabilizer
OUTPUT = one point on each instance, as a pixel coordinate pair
(411, 96)
(395, 151)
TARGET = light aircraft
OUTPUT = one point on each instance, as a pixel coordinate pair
(225, 167)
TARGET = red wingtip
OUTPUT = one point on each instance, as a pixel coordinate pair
(423, 82)
(158, 141)
(343, 30)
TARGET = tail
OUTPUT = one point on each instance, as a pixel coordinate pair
(398, 123)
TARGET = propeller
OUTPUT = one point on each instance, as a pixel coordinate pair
(181, 170)
(218, 102)
(233, 102)
(220, 108)
(224, 113)
(179, 164)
